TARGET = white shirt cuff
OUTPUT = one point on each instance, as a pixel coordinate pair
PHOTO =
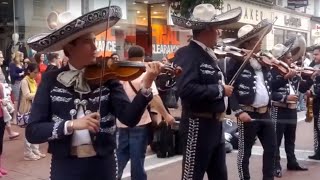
(66, 128)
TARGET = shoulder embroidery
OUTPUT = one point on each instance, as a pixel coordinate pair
(96, 99)
(242, 93)
(242, 86)
(60, 99)
(60, 90)
(98, 89)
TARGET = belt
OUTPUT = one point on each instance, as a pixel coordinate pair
(260, 110)
(219, 116)
(83, 151)
(285, 105)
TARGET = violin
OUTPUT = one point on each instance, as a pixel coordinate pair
(305, 71)
(121, 70)
(265, 59)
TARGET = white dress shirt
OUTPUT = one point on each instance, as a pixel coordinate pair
(262, 96)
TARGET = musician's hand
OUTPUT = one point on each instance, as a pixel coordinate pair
(90, 122)
(290, 74)
(292, 98)
(169, 119)
(228, 90)
(244, 117)
(153, 69)
(316, 73)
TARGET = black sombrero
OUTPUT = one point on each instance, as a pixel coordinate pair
(94, 21)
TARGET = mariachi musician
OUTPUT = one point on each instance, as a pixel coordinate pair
(284, 101)
(66, 110)
(314, 92)
(203, 93)
(251, 100)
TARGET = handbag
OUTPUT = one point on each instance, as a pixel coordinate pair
(22, 118)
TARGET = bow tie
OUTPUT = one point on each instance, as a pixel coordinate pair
(74, 78)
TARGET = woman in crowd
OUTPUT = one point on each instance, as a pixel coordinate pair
(16, 75)
(53, 59)
(28, 90)
(39, 58)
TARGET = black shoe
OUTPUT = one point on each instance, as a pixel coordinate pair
(315, 157)
(296, 167)
(277, 172)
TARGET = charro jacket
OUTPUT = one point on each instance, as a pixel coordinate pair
(245, 85)
(54, 104)
(200, 84)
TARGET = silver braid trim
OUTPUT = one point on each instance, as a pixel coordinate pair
(54, 131)
(240, 149)
(191, 148)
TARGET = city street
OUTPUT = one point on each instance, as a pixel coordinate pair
(169, 168)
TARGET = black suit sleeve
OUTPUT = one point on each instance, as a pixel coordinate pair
(188, 83)
(128, 113)
(277, 81)
(41, 128)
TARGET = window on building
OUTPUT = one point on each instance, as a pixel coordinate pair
(280, 2)
(42, 7)
(278, 36)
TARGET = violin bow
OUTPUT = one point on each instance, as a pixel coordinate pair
(104, 54)
(249, 55)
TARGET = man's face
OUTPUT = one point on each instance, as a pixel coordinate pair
(83, 50)
(288, 59)
(1, 58)
(316, 56)
(212, 35)
(251, 43)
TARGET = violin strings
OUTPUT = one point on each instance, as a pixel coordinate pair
(104, 56)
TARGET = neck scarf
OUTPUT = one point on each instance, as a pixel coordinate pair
(32, 84)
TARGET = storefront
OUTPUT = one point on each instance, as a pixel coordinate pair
(158, 39)
(288, 24)
(315, 31)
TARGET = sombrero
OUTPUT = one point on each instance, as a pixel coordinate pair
(94, 21)
(248, 32)
(280, 50)
(299, 46)
(205, 15)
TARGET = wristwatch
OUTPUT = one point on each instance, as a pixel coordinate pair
(146, 91)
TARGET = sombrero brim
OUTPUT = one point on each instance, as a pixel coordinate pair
(298, 48)
(257, 31)
(287, 50)
(93, 22)
(228, 17)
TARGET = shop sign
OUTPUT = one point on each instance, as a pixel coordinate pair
(251, 13)
(292, 21)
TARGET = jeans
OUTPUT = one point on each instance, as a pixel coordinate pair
(301, 103)
(132, 144)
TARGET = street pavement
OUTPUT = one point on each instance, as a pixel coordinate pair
(168, 168)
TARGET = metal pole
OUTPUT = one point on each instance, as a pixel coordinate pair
(14, 17)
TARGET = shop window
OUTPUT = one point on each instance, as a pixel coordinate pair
(278, 36)
(42, 7)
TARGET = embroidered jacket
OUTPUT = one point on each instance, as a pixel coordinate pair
(314, 82)
(281, 86)
(54, 104)
(245, 85)
(200, 84)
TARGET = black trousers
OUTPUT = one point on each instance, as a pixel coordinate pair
(286, 124)
(2, 128)
(203, 149)
(262, 127)
(316, 125)
(93, 168)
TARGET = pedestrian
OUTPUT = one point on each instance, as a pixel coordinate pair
(65, 110)
(133, 141)
(28, 91)
(203, 93)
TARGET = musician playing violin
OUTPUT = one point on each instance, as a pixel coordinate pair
(251, 100)
(65, 112)
(284, 104)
